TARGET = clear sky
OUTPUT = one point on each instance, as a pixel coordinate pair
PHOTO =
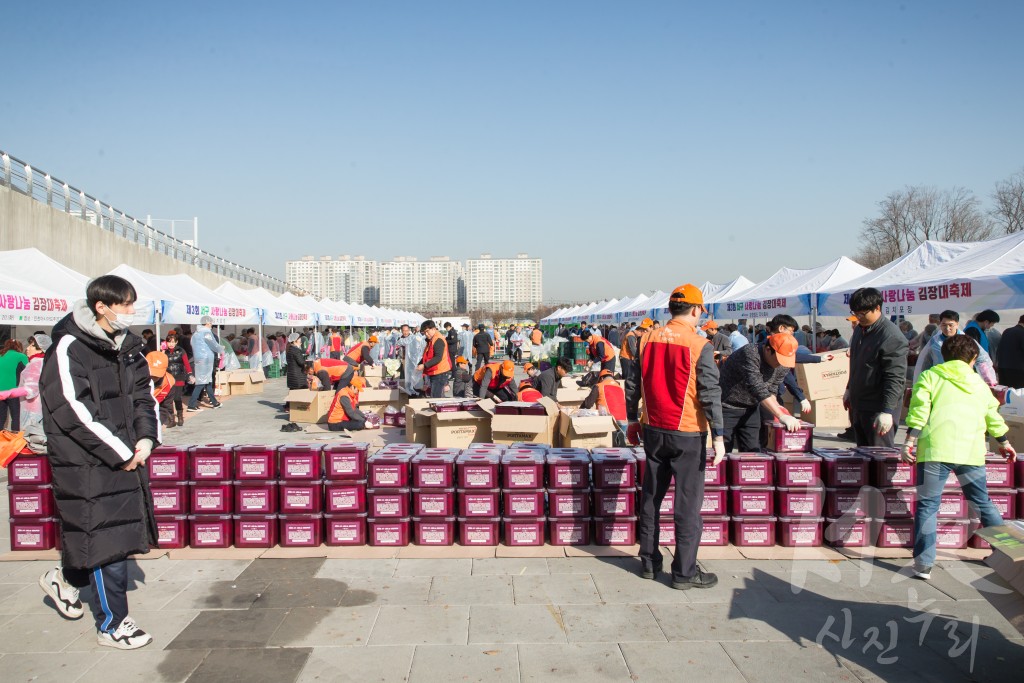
(631, 145)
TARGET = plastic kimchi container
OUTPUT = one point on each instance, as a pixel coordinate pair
(479, 531)
(172, 532)
(388, 470)
(345, 529)
(998, 472)
(298, 497)
(797, 469)
(522, 469)
(433, 502)
(895, 503)
(951, 534)
(752, 501)
(433, 469)
(302, 530)
(569, 530)
(1005, 501)
(478, 470)
(345, 497)
(800, 532)
(887, 470)
(714, 531)
(433, 530)
(255, 463)
(847, 501)
(253, 497)
(34, 534)
(169, 498)
(211, 531)
(750, 532)
(751, 469)
(478, 503)
(615, 530)
(345, 462)
(523, 502)
(842, 468)
(799, 502)
(300, 461)
(895, 533)
(388, 532)
(952, 505)
(715, 475)
(211, 497)
(211, 462)
(614, 468)
(524, 531)
(255, 531)
(847, 532)
(615, 502)
(387, 503)
(568, 470)
(782, 441)
(719, 493)
(166, 463)
(569, 502)
(716, 501)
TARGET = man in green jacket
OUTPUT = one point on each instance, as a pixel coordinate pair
(951, 408)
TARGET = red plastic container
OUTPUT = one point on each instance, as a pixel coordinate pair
(715, 503)
(478, 470)
(782, 441)
(752, 501)
(668, 503)
(847, 532)
(615, 530)
(847, 502)
(569, 530)
(345, 497)
(388, 470)
(896, 503)
(34, 534)
(387, 503)
(433, 502)
(31, 470)
(973, 540)
(254, 497)
(714, 475)
(210, 463)
(998, 472)
(166, 463)
(345, 529)
(522, 469)
(475, 503)
(210, 531)
(1020, 502)
(433, 470)
(345, 462)
(800, 532)
(407, 447)
(255, 531)
(641, 464)
(797, 470)
(521, 531)
(613, 468)
(172, 532)
(749, 532)
(895, 533)
(523, 502)
(388, 532)
(483, 531)
(799, 502)
(433, 530)
(1018, 474)
(751, 469)
(1005, 501)
(951, 534)
(255, 463)
(714, 531)
(569, 502)
(301, 531)
(952, 505)
(211, 497)
(888, 471)
(169, 498)
(30, 501)
(300, 497)
(615, 502)
(844, 469)
(667, 533)
(300, 462)
(568, 470)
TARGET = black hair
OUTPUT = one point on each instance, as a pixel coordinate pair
(678, 308)
(427, 325)
(987, 316)
(974, 333)
(565, 364)
(949, 315)
(783, 319)
(959, 347)
(447, 324)
(585, 334)
(109, 290)
(865, 299)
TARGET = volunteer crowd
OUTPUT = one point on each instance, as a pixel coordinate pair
(94, 396)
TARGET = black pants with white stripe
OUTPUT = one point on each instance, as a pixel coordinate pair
(110, 592)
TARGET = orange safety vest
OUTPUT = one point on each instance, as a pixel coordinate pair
(668, 378)
(355, 354)
(335, 367)
(497, 379)
(624, 352)
(446, 363)
(530, 395)
(335, 342)
(613, 398)
(337, 412)
(166, 384)
(609, 351)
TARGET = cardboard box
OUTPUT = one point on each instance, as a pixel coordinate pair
(458, 429)
(826, 379)
(308, 406)
(828, 413)
(244, 382)
(1007, 556)
(417, 422)
(221, 386)
(373, 371)
(377, 400)
(507, 429)
(571, 397)
(585, 432)
(1015, 435)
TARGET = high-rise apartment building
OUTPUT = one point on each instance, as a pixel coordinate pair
(504, 285)
(349, 278)
(431, 286)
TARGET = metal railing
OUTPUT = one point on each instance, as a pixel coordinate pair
(16, 175)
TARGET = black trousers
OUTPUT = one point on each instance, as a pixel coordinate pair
(482, 359)
(351, 425)
(685, 456)
(626, 364)
(175, 398)
(11, 406)
(437, 384)
(864, 433)
(742, 428)
(110, 592)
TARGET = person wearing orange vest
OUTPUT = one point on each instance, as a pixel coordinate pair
(436, 364)
(163, 384)
(537, 336)
(361, 353)
(334, 343)
(344, 411)
(609, 395)
(333, 373)
(527, 393)
(677, 378)
(600, 350)
(630, 346)
(462, 379)
(493, 380)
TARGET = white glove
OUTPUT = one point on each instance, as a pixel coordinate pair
(805, 406)
(883, 423)
(143, 448)
(909, 453)
(790, 423)
(719, 445)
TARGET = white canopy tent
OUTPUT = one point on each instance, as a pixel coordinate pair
(182, 300)
(36, 290)
(623, 305)
(605, 313)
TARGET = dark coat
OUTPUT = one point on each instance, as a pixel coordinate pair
(97, 403)
(296, 374)
(878, 368)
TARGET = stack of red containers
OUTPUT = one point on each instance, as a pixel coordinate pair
(433, 496)
(301, 495)
(388, 497)
(345, 494)
(615, 496)
(893, 507)
(523, 494)
(256, 496)
(846, 477)
(478, 488)
(210, 495)
(33, 511)
(570, 505)
(168, 482)
(751, 479)
(1000, 477)
(799, 496)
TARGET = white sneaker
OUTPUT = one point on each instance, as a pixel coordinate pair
(63, 594)
(923, 573)
(128, 636)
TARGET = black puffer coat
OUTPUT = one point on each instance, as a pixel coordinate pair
(296, 371)
(97, 404)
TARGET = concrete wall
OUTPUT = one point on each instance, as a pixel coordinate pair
(80, 245)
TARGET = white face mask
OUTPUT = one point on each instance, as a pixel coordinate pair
(121, 321)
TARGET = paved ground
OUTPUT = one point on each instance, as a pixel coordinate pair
(517, 619)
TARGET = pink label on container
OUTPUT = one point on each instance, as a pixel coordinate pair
(387, 506)
(344, 533)
(300, 533)
(803, 535)
(299, 499)
(752, 473)
(709, 535)
(253, 532)
(254, 500)
(32, 470)
(523, 506)
(709, 504)
(755, 535)
(209, 535)
(30, 538)
(614, 478)
(802, 505)
(570, 534)
(618, 534)
(432, 475)
(479, 507)
(895, 536)
(570, 505)
(208, 468)
(166, 533)
(385, 475)
(477, 535)
(387, 536)
(524, 534)
(344, 499)
(997, 475)
(848, 475)
(209, 500)
(800, 474)
(753, 503)
(433, 534)
(342, 465)
(299, 468)
(163, 469)
(612, 506)
(165, 500)
(568, 478)
(519, 477)
(478, 478)
(252, 465)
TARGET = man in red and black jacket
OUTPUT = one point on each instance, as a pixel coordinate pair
(437, 364)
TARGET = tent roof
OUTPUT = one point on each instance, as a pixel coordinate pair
(36, 269)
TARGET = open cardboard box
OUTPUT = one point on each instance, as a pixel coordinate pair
(586, 432)
(246, 382)
(373, 371)
(417, 421)
(571, 397)
(377, 400)
(308, 406)
(458, 429)
(827, 413)
(508, 429)
(1007, 556)
(827, 379)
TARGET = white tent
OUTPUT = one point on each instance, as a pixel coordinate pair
(552, 318)
(605, 313)
(937, 276)
(788, 291)
(36, 290)
(624, 305)
(256, 298)
(182, 300)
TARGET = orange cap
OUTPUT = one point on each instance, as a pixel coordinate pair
(460, 359)
(688, 294)
(528, 367)
(646, 322)
(157, 363)
(508, 368)
(852, 318)
(358, 383)
(709, 325)
(784, 346)
(373, 339)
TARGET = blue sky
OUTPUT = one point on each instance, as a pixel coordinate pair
(632, 145)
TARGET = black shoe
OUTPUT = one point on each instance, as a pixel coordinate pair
(701, 579)
(648, 570)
